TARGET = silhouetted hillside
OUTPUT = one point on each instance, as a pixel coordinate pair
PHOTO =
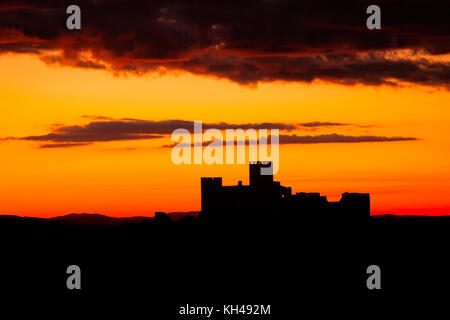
(91, 219)
(104, 220)
(237, 250)
(171, 263)
(98, 219)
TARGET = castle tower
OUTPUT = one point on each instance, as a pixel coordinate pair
(257, 179)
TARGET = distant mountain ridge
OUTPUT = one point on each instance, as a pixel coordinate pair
(100, 219)
(95, 219)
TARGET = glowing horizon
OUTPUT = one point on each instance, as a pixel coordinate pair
(132, 178)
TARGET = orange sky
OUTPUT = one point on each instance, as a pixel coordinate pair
(131, 178)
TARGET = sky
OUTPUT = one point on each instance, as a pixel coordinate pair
(86, 116)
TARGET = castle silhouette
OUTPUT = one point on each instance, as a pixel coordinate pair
(264, 197)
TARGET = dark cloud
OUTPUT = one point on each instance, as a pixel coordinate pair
(62, 145)
(337, 138)
(245, 126)
(105, 129)
(96, 117)
(322, 124)
(89, 64)
(24, 47)
(101, 131)
(295, 139)
(244, 41)
(14, 7)
(132, 129)
(347, 69)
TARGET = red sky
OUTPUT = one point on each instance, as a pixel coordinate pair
(85, 115)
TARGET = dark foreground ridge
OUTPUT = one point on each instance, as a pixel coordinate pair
(235, 251)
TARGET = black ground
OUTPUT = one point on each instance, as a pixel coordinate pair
(291, 264)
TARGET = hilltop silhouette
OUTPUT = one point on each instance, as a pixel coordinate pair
(235, 249)
(99, 219)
